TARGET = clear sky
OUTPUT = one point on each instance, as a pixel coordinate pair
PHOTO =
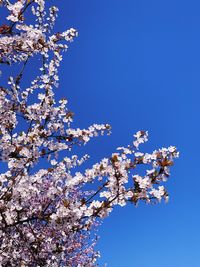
(136, 65)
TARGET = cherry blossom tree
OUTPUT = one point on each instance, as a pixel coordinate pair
(47, 214)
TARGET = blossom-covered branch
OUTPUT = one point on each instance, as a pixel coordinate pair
(47, 213)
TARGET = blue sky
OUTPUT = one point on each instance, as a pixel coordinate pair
(136, 65)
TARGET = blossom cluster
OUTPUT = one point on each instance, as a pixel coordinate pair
(47, 213)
